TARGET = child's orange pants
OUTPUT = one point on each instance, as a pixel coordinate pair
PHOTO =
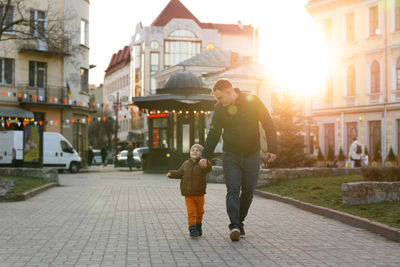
(195, 209)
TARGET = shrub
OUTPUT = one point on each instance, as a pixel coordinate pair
(331, 154)
(391, 156)
(377, 152)
(381, 174)
(320, 156)
(341, 154)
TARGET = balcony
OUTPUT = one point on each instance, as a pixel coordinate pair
(396, 95)
(48, 96)
(374, 98)
(42, 47)
(350, 101)
(328, 102)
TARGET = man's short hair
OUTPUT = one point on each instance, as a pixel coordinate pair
(222, 85)
(355, 138)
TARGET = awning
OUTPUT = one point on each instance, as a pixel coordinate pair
(13, 112)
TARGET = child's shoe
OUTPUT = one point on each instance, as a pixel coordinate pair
(199, 230)
(193, 231)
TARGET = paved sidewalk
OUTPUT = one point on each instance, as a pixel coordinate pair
(121, 218)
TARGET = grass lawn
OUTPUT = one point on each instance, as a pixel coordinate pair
(25, 184)
(327, 192)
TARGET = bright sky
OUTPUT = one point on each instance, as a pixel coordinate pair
(287, 43)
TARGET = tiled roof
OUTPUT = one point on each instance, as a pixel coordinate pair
(209, 58)
(229, 28)
(175, 9)
(119, 60)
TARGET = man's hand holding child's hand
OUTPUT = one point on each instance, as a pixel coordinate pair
(203, 163)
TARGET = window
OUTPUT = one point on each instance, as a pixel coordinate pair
(328, 30)
(351, 132)
(397, 14)
(37, 74)
(154, 62)
(84, 80)
(329, 140)
(398, 137)
(38, 24)
(398, 74)
(178, 51)
(182, 33)
(350, 27)
(6, 71)
(329, 88)
(375, 77)
(351, 81)
(66, 147)
(373, 21)
(9, 18)
(84, 32)
(375, 139)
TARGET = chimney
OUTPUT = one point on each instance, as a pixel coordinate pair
(240, 24)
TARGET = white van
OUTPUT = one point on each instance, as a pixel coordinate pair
(11, 147)
(58, 153)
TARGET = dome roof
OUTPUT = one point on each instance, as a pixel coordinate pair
(184, 83)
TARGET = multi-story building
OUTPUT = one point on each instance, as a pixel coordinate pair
(44, 64)
(362, 93)
(116, 90)
(176, 35)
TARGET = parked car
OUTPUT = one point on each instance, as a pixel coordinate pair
(138, 155)
(97, 157)
(122, 157)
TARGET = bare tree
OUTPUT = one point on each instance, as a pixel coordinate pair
(36, 29)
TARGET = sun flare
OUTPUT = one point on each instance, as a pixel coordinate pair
(296, 57)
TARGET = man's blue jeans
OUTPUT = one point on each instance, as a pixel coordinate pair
(240, 173)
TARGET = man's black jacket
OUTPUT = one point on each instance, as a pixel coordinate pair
(240, 125)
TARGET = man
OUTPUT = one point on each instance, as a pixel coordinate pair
(238, 115)
(356, 152)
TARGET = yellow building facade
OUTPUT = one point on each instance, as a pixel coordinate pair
(361, 96)
(44, 64)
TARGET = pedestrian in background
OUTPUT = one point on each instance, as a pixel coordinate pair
(193, 188)
(238, 114)
(90, 156)
(130, 155)
(356, 152)
(104, 156)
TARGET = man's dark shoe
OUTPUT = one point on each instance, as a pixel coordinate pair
(199, 230)
(193, 231)
(242, 233)
(235, 234)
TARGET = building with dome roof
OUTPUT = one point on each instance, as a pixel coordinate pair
(178, 116)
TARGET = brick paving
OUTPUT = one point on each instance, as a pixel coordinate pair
(112, 217)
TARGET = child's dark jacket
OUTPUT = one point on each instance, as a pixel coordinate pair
(193, 177)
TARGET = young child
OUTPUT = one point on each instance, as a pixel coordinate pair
(193, 187)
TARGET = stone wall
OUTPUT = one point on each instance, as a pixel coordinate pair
(48, 174)
(7, 188)
(370, 192)
(267, 176)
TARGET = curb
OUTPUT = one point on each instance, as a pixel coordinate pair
(37, 190)
(378, 228)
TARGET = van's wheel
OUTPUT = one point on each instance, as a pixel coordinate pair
(74, 167)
